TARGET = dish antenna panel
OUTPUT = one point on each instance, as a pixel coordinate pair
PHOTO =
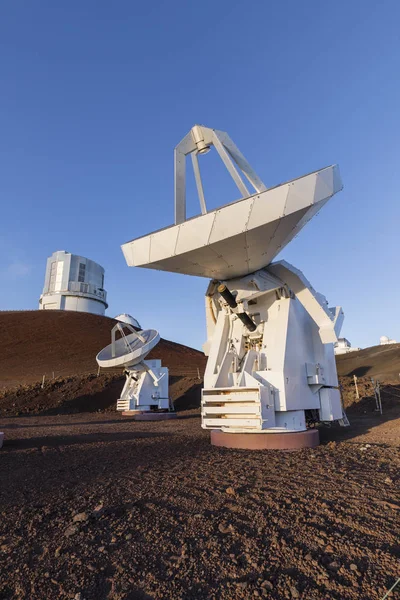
(145, 394)
(271, 366)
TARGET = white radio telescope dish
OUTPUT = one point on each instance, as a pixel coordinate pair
(129, 350)
(238, 238)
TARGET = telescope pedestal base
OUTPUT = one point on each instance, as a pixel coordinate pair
(149, 415)
(266, 441)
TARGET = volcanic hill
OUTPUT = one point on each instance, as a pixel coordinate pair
(62, 346)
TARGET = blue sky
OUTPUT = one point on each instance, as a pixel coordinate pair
(95, 95)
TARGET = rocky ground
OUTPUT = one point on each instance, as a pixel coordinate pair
(86, 393)
(95, 506)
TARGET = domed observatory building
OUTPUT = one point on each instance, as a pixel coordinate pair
(125, 318)
(73, 283)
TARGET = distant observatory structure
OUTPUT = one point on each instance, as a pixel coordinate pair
(384, 340)
(73, 282)
(343, 346)
(125, 318)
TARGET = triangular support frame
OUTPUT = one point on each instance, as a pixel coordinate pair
(198, 141)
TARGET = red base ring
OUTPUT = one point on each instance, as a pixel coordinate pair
(266, 441)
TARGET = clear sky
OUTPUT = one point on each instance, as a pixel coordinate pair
(96, 94)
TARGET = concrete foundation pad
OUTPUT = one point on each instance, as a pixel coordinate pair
(1, 439)
(131, 413)
(266, 441)
(154, 416)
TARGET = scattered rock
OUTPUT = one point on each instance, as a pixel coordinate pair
(230, 491)
(353, 567)
(388, 481)
(57, 552)
(225, 528)
(294, 592)
(128, 536)
(267, 585)
(71, 530)
(308, 557)
(80, 517)
(98, 511)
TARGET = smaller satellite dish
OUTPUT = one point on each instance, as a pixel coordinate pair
(129, 350)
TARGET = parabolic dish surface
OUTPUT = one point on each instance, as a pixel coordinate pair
(123, 356)
(238, 238)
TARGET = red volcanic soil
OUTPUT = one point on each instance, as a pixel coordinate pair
(98, 507)
(381, 362)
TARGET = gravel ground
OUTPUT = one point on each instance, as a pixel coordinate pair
(94, 506)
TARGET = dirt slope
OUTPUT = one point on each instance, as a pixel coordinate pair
(37, 343)
(381, 362)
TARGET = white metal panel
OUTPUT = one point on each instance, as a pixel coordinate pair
(325, 184)
(194, 233)
(258, 242)
(337, 181)
(239, 422)
(301, 193)
(268, 206)
(231, 220)
(140, 252)
(284, 232)
(233, 253)
(250, 408)
(163, 244)
(331, 405)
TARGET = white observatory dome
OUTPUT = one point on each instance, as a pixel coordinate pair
(125, 318)
(73, 282)
(384, 339)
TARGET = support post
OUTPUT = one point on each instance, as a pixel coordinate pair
(378, 390)
(356, 386)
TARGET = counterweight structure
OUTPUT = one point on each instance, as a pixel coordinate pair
(271, 367)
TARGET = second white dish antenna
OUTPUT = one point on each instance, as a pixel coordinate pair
(128, 350)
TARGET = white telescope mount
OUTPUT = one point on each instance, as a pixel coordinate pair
(271, 369)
